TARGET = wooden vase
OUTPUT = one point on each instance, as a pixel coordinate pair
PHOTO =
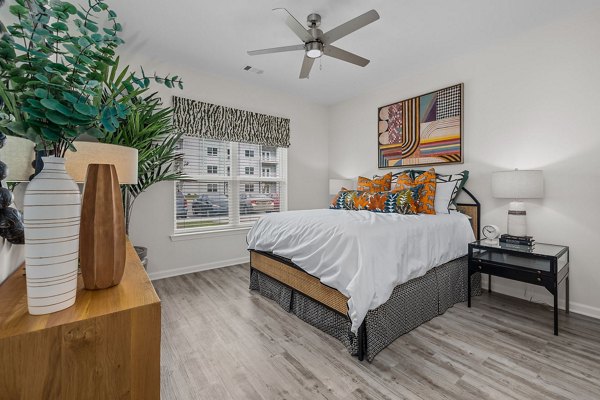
(51, 210)
(102, 236)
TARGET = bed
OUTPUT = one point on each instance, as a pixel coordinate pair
(365, 314)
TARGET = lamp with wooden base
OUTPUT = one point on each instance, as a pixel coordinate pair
(102, 239)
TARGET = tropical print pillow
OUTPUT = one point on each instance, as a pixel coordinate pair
(339, 200)
(427, 182)
(403, 202)
(406, 201)
(377, 184)
(368, 201)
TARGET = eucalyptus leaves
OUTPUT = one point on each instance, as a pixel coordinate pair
(53, 65)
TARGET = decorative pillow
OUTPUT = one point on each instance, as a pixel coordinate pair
(406, 200)
(357, 201)
(403, 202)
(460, 178)
(426, 203)
(339, 200)
(377, 184)
(443, 196)
(405, 179)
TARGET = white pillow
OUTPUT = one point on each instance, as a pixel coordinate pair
(443, 196)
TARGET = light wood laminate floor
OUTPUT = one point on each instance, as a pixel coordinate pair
(222, 341)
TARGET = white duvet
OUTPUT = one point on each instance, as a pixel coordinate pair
(363, 254)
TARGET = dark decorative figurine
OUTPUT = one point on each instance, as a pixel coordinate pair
(3, 171)
(11, 226)
(6, 198)
(11, 221)
(2, 140)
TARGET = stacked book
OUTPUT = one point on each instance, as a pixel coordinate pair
(518, 240)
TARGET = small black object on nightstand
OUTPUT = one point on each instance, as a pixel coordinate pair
(542, 264)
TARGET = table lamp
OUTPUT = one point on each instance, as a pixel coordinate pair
(102, 240)
(517, 185)
(18, 154)
(335, 185)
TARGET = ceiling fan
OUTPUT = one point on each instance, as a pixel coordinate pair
(316, 43)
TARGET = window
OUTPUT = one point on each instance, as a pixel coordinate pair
(224, 189)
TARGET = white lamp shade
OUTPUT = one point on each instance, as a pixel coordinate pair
(518, 184)
(18, 154)
(335, 185)
(125, 160)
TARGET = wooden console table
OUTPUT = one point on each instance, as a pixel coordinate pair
(106, 346)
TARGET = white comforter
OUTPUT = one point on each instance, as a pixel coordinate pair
(363, 254)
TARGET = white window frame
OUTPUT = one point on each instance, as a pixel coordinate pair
(233, 184)
(211, 186)
(212, 167)
(251, 169)
(209, 151)
(248, 153)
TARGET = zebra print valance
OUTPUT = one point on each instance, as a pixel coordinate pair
(211, 121)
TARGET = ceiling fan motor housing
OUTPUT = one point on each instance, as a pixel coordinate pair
(313, 20)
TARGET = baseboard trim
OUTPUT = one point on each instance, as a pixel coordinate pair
(546, 298)
(197, 268)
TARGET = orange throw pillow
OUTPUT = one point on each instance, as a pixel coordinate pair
(377, 184)
(426, 193)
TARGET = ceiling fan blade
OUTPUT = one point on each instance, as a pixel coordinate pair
(350, 26)
(296, 27)
(306, 67)
(276, 50)
(344, 55)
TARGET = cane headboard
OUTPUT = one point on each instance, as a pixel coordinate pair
(473, 211)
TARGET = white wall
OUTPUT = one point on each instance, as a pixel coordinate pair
(530, 103)
(152, 223)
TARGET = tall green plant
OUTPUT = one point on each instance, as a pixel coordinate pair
(149, 129)
(53, 64)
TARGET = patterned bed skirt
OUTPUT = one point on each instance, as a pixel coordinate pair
(411, 304)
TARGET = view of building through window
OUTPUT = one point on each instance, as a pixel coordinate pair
(220, 171)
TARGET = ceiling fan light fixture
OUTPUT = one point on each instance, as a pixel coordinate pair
(314, 49)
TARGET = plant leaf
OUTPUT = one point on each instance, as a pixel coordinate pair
(57, 117)
(41, 77)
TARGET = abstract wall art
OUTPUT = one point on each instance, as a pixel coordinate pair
(424, 130)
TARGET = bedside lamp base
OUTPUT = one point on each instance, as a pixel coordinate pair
(517, 219)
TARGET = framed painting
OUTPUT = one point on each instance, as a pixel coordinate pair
(424, 130)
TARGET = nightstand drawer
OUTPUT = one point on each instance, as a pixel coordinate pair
(501, 257)
(537, 277)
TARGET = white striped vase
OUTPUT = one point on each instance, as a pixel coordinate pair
(52, 209)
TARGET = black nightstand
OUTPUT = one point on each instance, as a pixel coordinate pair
(543, 265)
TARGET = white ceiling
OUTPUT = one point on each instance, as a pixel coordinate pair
(214, 36)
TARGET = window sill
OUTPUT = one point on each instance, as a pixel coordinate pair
(231, 231)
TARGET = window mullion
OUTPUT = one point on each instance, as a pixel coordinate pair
(234, 190)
